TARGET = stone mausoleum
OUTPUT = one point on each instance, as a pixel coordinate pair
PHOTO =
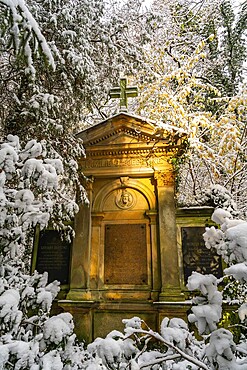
(133, 250)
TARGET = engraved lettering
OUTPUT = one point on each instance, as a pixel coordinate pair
(121, 162)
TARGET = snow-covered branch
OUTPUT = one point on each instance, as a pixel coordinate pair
(23, 25)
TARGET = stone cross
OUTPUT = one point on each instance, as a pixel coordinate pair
(123, 93)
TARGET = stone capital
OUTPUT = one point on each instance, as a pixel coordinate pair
(164, 178)
(152, 215)
(97, 218)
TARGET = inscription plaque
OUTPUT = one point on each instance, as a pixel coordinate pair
(53, 256)
(196, 257)
(121, 162)
(125, 254)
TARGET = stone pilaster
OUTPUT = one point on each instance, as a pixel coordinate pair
(81, 249)
(170, 282)
(155, 266)
(96, 263)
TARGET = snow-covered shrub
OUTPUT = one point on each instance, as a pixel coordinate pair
(29, 339)
(230, 241)
(221, 347)
(207, 310)
(29, 192)
(176, 331)
(178, 348)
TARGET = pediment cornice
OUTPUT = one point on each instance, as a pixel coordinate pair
(124, 132)
(119, 129)
(144, 151)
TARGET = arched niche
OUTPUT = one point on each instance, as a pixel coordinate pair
(107, 197)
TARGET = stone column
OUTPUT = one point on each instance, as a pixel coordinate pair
(96, 262)
(155, 266)
(81, 250)
(169, 264)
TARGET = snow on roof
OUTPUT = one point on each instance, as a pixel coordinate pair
(136, 117)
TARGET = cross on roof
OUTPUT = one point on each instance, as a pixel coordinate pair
(123, 93)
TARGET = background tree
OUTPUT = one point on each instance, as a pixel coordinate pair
(196, 84)
(58, 60)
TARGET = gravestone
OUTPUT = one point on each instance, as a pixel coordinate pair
(196, 257)
(53, 256)
(126, 254)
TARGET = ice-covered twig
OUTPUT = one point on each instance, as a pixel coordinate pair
(159, 338)
(159, 360)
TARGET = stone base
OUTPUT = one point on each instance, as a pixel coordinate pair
(119, 295)
(171, 295)
(96, 319)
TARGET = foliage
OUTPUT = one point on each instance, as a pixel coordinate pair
(58, 60)
(87, 44)
(187, 23)
(195, 87)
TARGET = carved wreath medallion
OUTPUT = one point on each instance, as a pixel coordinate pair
(125, 199)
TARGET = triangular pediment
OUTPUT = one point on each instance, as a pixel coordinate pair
(122, 129)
